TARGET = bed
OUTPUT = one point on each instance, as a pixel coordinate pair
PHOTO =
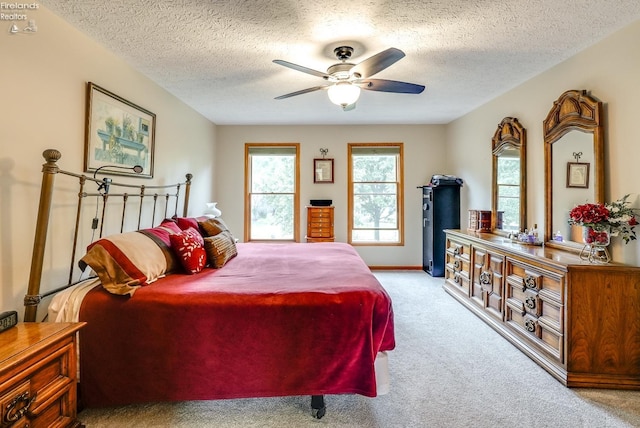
(275, 319)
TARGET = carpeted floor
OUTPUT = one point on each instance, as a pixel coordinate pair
(449, 369)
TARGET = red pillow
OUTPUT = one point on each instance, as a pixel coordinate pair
(186, 222)
(189, 247)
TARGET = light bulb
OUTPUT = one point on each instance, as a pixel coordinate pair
(344, 93)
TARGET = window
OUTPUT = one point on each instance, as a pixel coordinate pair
(272, 192)
(508, 190)
(375, 194)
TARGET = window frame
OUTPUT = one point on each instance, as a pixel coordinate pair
(247, 191)
(399, 200)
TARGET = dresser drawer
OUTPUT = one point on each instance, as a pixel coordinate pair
(320, 233)
(15, 404)
(319, 222)
(541, 331)
(320, 212)
(458, 265)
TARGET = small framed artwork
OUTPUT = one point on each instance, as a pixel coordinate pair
(118, 133)
(578, 174)
(323, 170)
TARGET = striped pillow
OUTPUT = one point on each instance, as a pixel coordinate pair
(213, 226)
(220, 249)
(126, 261)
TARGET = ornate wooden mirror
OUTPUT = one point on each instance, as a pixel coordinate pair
(509, 179)
(574, 163)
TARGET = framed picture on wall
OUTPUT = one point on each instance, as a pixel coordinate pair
(323, 170)
(118, 134)
(578, 174)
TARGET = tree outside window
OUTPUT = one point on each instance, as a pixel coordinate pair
(375, 187)
(272, 182)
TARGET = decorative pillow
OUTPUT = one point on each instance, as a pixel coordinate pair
(220, 249)
(126, 261)
(185, 223)
(213, 226)
(160, 235)
(189, 247)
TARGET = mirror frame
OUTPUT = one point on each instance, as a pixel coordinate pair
(573, 111)
(510, 134)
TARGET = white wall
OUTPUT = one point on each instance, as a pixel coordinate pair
(424, 155)
(609, 71)
(43, 79)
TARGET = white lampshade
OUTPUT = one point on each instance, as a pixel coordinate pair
(344, 93)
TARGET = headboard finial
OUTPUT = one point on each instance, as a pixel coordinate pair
(51, 155)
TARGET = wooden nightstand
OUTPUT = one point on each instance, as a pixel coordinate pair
(38, 375)
(320, 224)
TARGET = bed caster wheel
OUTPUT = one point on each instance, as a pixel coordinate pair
(318, 409)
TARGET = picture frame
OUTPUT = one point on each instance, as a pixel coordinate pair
(118, 133)
(323, 170)
(578, 174)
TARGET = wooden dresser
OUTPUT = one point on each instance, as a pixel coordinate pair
(320, 224)
(38, 375)
(579, 321)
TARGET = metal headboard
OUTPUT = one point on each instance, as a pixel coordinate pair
(49, 170)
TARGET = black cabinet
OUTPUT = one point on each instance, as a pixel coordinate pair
(440, 210)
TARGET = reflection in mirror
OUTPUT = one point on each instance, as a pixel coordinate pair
(574, 166)
(509, 177)
(571, 186)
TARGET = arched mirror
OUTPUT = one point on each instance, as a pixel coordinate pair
(574, 163)
(509, 196)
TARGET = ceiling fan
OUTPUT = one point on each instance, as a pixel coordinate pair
(346, 79)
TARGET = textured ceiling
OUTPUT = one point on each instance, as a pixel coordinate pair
(216, 56)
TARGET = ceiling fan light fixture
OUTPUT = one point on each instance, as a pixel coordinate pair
(343, 93)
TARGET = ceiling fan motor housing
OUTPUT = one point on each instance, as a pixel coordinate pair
(340, 71)
(343, 53)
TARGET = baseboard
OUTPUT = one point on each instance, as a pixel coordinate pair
(395, 267)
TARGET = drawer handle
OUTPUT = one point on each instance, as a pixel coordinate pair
(530, 302)
(456, 265)
(529, 282)
(456, 278)
(530, 325)
(456, 251)
(485, 278)
(13, 412)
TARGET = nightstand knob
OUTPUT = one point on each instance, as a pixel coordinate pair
(13, 412)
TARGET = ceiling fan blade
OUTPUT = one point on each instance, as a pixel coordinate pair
(301, 68)
(383, 85)
(377, 63)
(300, 92)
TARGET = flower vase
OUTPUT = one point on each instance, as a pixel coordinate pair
(212, 210)
(595, 245)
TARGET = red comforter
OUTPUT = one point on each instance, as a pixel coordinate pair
(279, 319)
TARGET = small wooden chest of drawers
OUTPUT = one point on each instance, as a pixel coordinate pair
(479, 221)
(38, 375)
(320, 224)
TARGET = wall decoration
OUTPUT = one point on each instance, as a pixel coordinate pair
(578, 174)
(118, 132)
(323, 170)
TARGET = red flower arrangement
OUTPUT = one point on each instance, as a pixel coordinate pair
(616, 218)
